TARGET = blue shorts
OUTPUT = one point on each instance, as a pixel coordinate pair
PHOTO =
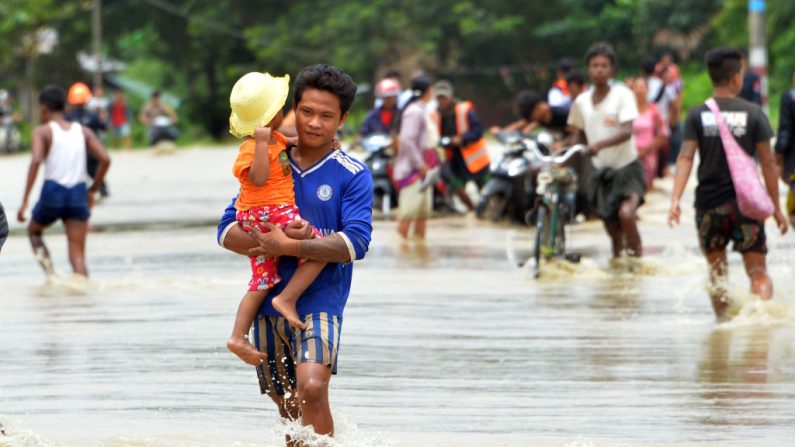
(58, 202)
(287, 347)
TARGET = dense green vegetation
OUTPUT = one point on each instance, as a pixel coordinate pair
(196, 49)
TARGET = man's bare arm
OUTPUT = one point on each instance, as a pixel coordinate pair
(237, 240)
(332, 248)
(622, 136)
(684, 165)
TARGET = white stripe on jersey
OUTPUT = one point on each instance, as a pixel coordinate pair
(347, 162)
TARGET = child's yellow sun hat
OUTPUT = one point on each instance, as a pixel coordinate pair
(255, 99)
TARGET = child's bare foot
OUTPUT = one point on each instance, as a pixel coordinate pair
(287, 309)
(241, 347)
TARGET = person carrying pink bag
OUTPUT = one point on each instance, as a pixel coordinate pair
(719, 217)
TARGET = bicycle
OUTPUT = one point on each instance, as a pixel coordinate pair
(556, 189)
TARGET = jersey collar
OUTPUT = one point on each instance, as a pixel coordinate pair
(311, 169)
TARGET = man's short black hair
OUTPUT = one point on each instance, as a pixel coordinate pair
(601, 49)
(393, 74)
(54, 98)
(576, 77)
(156, 94)
(648, 65)
(565, 65)
(723, 63)
(328, 78)
(526, 102)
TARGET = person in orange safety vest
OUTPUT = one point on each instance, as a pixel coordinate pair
(467, 155)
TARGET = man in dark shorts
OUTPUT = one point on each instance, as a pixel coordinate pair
(718, 218)
(603, 118)
(335, 193)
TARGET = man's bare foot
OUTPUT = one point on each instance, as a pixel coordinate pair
(241, 347)
(287, 309)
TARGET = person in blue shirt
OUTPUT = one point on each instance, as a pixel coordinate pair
(335, 193)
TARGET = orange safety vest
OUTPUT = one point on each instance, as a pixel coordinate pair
(476, 156)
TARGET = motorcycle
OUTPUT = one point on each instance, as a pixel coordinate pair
(10, 137)
(378, 160)
(511, 189)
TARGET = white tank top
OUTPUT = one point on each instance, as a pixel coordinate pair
(66, 162)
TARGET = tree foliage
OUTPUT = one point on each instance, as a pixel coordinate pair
(196, 49)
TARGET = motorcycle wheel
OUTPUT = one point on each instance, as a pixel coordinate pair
(539, 242)
(491, 207)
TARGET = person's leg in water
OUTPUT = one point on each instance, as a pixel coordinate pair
(756, 267)
(403, 228)
(40, 251)
(304, 276)
(718, 274)
(461, 192)
(290, 409)
(313, 382)
(628, 219)
(238, 342)
(76, 231)
(420, 228)
(613, 228)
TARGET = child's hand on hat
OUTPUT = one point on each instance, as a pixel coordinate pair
(262, 134)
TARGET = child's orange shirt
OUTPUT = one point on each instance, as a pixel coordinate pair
(277, 190)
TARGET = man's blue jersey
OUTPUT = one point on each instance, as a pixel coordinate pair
(336, 196)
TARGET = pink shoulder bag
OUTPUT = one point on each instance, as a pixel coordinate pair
(752, 197)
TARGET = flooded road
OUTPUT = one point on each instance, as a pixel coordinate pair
(446, 345)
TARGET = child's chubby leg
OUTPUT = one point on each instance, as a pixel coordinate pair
(238, 343)
(304, 275)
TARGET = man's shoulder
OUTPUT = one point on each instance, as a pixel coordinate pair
(348, 166)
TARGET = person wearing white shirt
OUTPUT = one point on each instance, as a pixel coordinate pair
(603, 116)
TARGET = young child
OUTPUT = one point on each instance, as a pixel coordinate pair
(718, 217)
(266, 196)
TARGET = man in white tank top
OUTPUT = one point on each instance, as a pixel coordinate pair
(62, 147)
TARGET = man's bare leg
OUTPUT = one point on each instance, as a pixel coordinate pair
(613, 229)
(76, 231)
(628, 219)
(288, 409)
(718, 273)
(313, 381)
(238, 342)
(303, 277)
(40, 251)
(756, 267)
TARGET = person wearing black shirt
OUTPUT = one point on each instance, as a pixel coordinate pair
(785, 146)
(718, 218)
(79, 113)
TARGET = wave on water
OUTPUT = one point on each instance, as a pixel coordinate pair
(746, 309)
(75, 285)
(13, 437)
(348, 434)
